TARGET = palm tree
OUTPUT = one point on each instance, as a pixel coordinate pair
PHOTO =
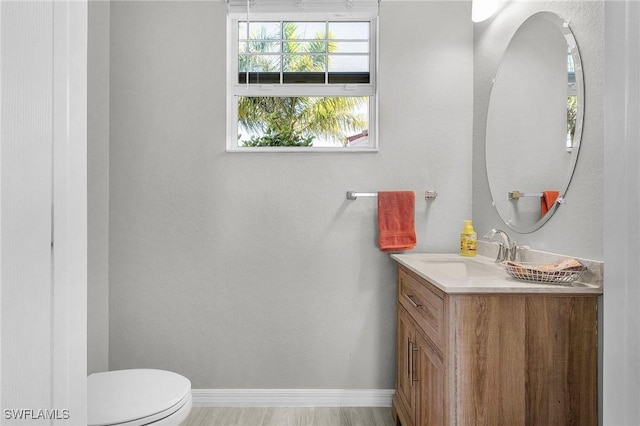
(296, 121)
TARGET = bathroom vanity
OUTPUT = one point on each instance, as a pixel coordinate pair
(477, 347)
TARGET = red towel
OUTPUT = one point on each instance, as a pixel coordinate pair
(548, 198)
(396, 212)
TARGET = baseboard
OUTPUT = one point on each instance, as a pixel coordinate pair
(292, 397)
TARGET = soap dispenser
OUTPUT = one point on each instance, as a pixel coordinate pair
(468, 240)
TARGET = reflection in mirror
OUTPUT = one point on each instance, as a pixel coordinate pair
(534, 122)
(572, 100)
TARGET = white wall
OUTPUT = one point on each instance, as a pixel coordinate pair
(253, 270)
(43, 227)
(98, 194)
(576, 228)
(27, 121)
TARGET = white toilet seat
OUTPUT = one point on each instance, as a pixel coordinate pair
(137, 397)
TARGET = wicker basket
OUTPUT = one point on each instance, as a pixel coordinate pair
(564, 271)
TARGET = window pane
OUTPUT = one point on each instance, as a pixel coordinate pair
(263, 31)
(300, 63)
(304, 46)
(304, 51)
(264, 46)
(350, 46)
(260, 63)
(348, 63)
(242, 30)
(349, 30)
(303, 121)
(304, 30)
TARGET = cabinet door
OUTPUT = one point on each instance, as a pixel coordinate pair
(431, 395)
(406, 362)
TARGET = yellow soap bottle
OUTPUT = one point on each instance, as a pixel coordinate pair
(468, 240)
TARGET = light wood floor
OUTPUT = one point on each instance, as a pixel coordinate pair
(295, 416)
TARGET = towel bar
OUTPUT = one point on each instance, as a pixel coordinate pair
(352, 195)
(514, 195)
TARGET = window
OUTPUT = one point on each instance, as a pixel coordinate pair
(301, 81)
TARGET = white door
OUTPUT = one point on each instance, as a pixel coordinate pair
(43, 236)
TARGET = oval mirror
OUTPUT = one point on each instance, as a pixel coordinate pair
(534, 122)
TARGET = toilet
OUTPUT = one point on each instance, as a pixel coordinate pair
(137, 397)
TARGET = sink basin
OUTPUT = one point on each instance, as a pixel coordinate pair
(461, 268)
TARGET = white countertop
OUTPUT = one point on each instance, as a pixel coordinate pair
(453, 273)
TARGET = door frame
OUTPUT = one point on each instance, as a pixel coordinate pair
(57, 92)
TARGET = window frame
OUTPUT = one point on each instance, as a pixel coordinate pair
(235, 89)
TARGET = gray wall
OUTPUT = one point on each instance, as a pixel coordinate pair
(98, 187)
(252, 270)
(576, 228)
(622, 215)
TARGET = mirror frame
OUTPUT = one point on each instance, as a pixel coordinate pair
(563, 26)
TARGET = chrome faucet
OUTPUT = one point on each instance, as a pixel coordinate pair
(507, 249)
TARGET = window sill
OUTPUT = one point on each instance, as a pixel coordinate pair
(300, 150)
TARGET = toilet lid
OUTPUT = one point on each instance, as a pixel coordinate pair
(127, 395)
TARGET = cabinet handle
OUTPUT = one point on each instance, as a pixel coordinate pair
(409, 359)
(410, 299)
(413, 360)
(411, 368)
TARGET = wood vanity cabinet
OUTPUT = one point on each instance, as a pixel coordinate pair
(494, 358)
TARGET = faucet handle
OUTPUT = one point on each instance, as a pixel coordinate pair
(502, 253)
(513, 251)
